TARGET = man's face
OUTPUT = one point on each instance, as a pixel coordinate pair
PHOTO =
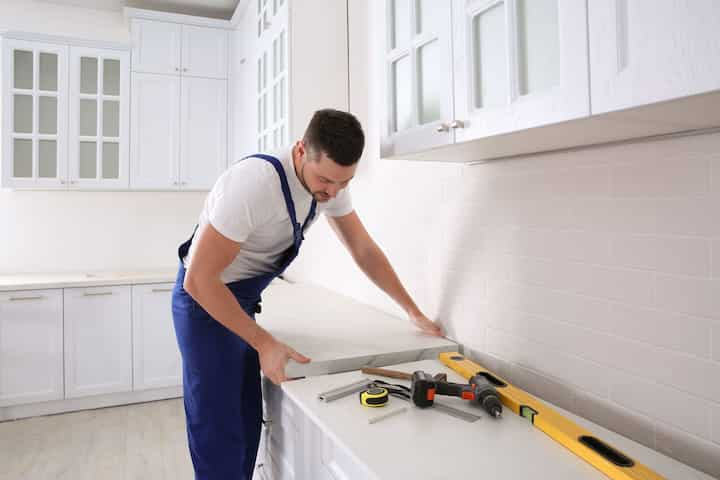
(323, 177)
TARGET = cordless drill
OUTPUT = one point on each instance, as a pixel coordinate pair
(425, 387)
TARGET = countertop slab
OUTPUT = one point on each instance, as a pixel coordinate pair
(426, 444)
(44, 281)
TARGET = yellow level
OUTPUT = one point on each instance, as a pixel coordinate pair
(581, 442)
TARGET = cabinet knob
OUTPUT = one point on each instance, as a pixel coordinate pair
(175, 183)
(184, 69)
(177, 69)
(443, 127)
(457, 124)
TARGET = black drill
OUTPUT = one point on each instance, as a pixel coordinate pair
(425, 387)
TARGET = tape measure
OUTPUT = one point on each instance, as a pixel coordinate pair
(374, 397)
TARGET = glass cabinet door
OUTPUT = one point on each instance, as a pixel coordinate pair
(272, 75)
(34, 126)
(418, 75)
(99, 105)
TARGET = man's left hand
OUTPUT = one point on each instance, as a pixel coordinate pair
(426, 325)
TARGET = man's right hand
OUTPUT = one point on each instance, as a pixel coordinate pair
(274, 355)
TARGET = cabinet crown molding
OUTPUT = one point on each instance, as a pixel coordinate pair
(139, 13)
(63, 40)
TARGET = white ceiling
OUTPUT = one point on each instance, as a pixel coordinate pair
(208, 8)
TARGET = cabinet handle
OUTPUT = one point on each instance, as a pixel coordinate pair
(177, 69)
(62, 182)
(22, 299)
(159, 290)
(457, 124)
(96, 294)
(443, 127)
(175, 183)
(183, 183)
(184, 69)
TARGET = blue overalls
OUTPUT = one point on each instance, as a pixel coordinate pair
(221, 372)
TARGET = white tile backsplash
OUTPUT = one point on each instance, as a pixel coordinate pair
(659, 175)
(692, 295)
(682, 255)
(716, 423)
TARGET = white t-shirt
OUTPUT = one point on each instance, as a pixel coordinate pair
(247, 205)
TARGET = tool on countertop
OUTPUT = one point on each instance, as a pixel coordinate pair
(344, 391)
(387, 415)
(425, 387)
(374, 397)
(609, 460)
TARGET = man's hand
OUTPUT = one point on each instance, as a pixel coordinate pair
(425, 324)
(274, 355)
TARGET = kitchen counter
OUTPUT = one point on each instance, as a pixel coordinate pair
(426, 444)
(42, 281)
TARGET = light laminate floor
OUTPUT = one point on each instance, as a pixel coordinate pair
(141, 441)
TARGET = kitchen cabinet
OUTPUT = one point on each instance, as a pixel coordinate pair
(34, 114)
(179, 112)
(99, 130)
(156, 358)
(31, 346)
(454, 72)
(294, 68)
(97, 334)
(645, 51)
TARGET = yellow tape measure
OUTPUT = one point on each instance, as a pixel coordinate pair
(374, 397)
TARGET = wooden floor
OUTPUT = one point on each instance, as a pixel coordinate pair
(143, 441)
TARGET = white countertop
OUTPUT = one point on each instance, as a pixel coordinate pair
(42, 281)
(339, 333)
(425, 444)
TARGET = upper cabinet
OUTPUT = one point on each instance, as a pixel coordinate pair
(468, 69)
(647, 51)
(174, 49)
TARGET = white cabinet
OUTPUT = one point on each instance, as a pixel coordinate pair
(31, 346)
(98, 356)
(179, 104)
(470, 69)
(174, 49)
(99, 118)
(155, 144)
(156, 358)
(34, 114)
(646, 51)
(203, 127)
(295, 68)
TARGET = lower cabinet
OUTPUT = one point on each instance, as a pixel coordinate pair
(98, 355)
(292, 446)
(31, 346)
(156, 358)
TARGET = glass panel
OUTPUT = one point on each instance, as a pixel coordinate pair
(430, 82)
(282, 98)
(260, 25)
(264, 111)
(259, 115)
(429, 14)
(276, 140)
(47, 115)
(47, 159)
(111, 76)
(259, 7)
(538, 45)
(22, 158)
(88, 75)
(23, 69)
(282, 51)
(88, 118)
(48, 72)
(402, 92)
(88, 160)
(23, 120)
(489, 45)
(259, 75)
(276, 102)
(276, 58)
(401, 22)
(111, 118)
(282, 135)
(264, 70)
(111, 160)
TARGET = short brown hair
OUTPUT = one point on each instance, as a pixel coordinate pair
(336, 133)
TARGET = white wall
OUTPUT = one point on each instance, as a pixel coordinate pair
(590, 278)
(79, 231)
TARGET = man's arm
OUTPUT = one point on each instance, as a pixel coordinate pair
(213, 253)
(373, 262)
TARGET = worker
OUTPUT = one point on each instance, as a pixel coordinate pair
(250, 229)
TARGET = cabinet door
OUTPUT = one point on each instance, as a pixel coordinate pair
(31, 346)
(518, 64)
(99, 118)
(34, 136)
(155, 137)
(156, 358)
(203, 153)
(204, 52)
(417, 75)
(646, 51)
(97, 341)
(156, 47)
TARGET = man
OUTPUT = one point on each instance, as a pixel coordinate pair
(249, 231)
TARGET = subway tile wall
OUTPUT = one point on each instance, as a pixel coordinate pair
(590, 278)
